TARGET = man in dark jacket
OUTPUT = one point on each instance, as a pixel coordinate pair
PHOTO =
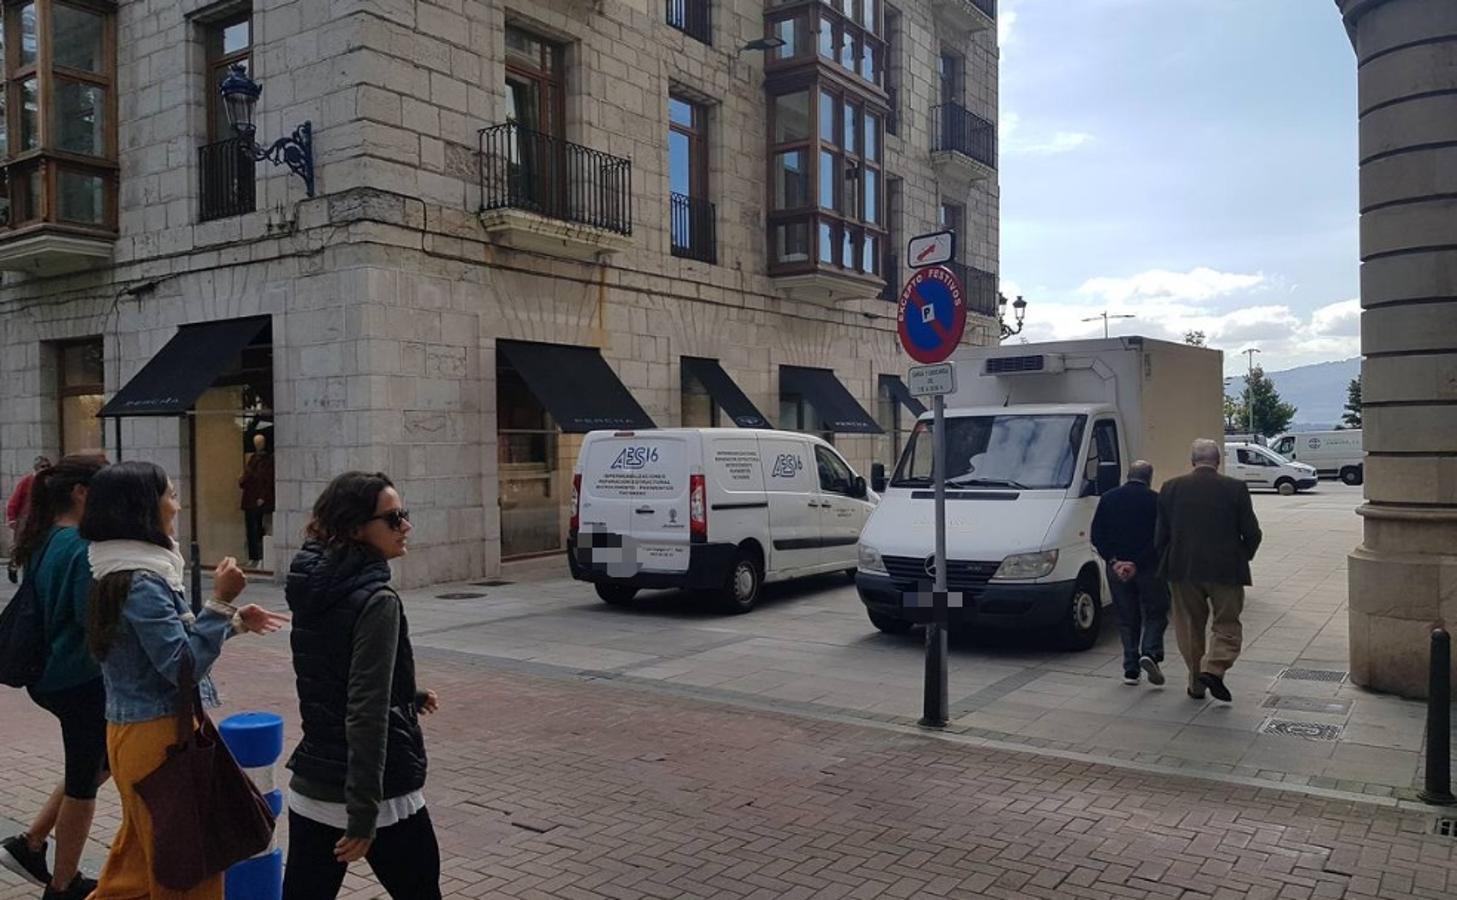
(1123, 533)
(1207, 535)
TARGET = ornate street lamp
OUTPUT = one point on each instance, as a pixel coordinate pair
(1019, 312)
(240, 100)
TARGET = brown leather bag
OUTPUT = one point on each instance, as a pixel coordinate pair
(206, 812)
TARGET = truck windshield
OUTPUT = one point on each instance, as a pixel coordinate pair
(1018, 451)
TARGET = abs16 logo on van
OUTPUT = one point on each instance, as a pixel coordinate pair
(635, 457)
(787, 465)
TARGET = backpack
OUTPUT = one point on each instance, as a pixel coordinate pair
(23, 644)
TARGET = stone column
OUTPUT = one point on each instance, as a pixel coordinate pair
(1403, 577)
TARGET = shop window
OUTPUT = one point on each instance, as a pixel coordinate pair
(699, 408)
(58, 142)
(80, 391)
(798, 414)
(894, 418)
(530, 469)
(225, 166)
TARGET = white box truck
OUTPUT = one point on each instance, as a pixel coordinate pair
(1335, 454)
(1035, 433)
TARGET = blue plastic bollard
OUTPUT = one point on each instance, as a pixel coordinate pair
(256, 741)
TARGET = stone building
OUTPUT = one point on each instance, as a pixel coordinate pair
(526, 218)
(1403, 577)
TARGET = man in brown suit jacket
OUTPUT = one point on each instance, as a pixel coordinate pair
(1206, 536)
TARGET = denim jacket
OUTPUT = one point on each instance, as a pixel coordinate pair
(152, 637)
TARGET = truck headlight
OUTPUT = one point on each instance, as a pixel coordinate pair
(1027, 565)
(870, 561)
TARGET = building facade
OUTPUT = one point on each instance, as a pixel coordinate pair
(523, 220)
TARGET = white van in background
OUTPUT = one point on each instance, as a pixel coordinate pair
(718, 510)
(1335, 454)
(1261, 467)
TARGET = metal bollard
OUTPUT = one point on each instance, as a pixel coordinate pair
(256, 740)
(1438, 790)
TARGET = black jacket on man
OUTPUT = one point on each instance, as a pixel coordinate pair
(356, 684)
(1207, 530)
(1123, 526)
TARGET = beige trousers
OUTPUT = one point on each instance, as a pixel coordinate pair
(1195, 603)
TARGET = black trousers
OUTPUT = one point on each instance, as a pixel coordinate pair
(405, 858)
(81, 711)
(253, 522)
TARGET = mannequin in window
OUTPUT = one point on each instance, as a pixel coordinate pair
(257, 485)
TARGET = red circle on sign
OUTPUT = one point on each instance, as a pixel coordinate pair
(931, 314)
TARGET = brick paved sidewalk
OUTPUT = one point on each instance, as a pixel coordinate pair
(559, 788)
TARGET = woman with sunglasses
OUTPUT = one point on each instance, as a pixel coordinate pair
(359, 769)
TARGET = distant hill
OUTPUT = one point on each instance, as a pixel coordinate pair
(1318, 391)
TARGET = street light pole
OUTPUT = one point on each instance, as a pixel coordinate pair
(1249, 393)
(1105, 317)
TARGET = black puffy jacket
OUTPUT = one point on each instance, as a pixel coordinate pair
(327, 591)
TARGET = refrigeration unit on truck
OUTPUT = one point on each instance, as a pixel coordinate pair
(1035, 434)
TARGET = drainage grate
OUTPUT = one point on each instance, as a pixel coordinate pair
(1308, 704)
(1311, 731)
(1446, 826)
(461, 595)
(1313, 675)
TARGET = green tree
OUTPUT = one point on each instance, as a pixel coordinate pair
(1194, 338)
(1351, 418)
(1269, 413)
(1234, 414)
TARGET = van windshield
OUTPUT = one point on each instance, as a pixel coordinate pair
(1018, 451)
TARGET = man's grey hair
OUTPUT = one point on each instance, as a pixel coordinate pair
(1141, 470)
(1205, 452)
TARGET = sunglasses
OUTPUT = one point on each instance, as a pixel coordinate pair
(395, 518)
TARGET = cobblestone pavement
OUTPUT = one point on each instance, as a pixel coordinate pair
(575, 788)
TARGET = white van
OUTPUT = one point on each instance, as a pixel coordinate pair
(718, 510)
(1336, 454)
(1261, 467)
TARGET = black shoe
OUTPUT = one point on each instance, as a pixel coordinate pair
(1216, 686)
(16, 855)
(1151, 666)
(81, 888)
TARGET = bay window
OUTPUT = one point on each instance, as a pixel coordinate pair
(849, 34)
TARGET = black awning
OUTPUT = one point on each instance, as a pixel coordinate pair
(170, 383)
(837, 409)
(725, 392)
(576, 386)
(902, 394)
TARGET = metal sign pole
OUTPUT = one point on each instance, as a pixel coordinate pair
(935, 707)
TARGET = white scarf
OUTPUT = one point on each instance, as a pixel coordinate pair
(108, 557)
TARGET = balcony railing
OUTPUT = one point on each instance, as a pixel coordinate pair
(980, 288)
(692, 18)
(229, 181)
(693, 223)
(541, 173)
(961, 131)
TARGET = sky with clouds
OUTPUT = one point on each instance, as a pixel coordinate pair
(1189, 162)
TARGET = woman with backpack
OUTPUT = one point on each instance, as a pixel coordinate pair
(359, 770)
(144, 633)
(53, 555)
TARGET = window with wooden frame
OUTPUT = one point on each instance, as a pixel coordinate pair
(59, 141)
(226, 167)
(848, 34)
(80, 389)
(691, 215)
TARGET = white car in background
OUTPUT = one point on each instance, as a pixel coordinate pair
(1261, 467)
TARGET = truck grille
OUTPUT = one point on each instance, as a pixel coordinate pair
(961, 574)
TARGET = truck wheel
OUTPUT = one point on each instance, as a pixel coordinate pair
(1285, 486)
(1083, 618)
(888, 624)
(615, 594)
(1352, 475)
(740, 591)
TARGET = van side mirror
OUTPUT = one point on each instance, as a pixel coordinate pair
(857, 489)
(877, 477)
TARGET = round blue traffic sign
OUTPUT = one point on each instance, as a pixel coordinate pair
(931, 315)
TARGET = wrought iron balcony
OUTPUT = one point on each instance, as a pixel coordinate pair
(980, 288)
(541, 173)
(692, 18)
(963, 145)
(693, 224)
(229, 184)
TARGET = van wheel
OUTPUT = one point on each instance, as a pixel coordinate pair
(615, 594)
(1285, 486)
(888, 624)
(1083, 618)
(741, 588)
(1352, 475)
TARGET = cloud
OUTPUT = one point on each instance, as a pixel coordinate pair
(1017, 142)
(1195, 285)
(1006, 21)
(1338, 319)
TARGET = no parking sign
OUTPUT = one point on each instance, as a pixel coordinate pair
(931, 315)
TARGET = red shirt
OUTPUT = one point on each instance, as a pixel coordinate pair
(19, 506)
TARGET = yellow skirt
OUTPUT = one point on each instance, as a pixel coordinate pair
(135, 751)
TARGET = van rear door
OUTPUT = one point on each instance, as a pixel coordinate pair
(636, 485)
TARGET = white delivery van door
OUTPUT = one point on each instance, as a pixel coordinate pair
(842, 515)
(794, 505)
(637, 486)
(1253, 467)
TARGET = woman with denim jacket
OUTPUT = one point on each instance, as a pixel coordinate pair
(141, 628)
